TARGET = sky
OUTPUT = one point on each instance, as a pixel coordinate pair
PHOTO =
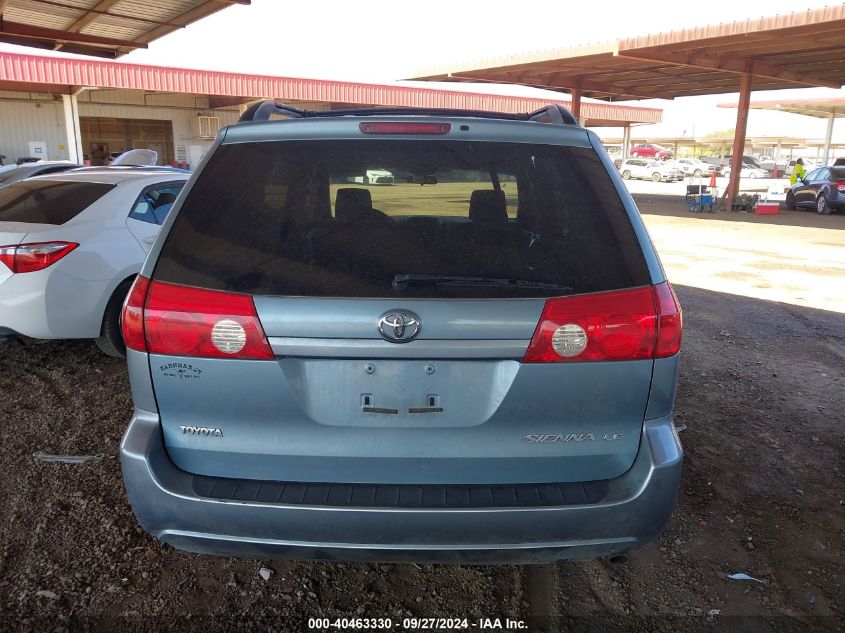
(383, 42)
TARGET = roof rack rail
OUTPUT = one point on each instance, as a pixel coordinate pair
(553, 113)
(262, 111)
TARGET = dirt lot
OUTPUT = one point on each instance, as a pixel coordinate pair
(761, 393)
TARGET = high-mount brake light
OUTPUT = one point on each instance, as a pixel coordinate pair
(405, 128)
(27, 258)
(186, 321)
(632, 324)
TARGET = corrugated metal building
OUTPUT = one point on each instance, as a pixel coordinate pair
(80, 109)
(118, 119)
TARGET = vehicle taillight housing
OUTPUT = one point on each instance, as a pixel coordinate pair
(132, 318)
(634, 324)
(163, 318)
(670, 321)
(27, 258)
(840, 184)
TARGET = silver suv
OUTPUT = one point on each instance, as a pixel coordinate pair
(475, 361)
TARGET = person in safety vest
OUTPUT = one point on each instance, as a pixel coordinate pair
(798, 172)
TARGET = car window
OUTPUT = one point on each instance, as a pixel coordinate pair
(48, 201)
(824, 174)
(297, 218)
(155, 203)
(812, 175)
(837, 174)
(55, 169)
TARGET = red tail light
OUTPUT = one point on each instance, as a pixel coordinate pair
(185, 321)
(405, 128)
(132, 319)
(621, 325)
(27, 258)
(670, 321)
(840, 184)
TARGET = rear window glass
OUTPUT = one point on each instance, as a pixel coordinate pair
(48, 201)
(837, 174)
(390, 218)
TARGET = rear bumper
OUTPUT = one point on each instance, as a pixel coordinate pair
(635, 511)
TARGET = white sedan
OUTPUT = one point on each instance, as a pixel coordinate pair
(650, 170)
(695, 167)
(70, 246)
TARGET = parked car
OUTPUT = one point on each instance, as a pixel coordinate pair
(822, 189)
(15, 173)
(746, 160)
(133, 168)
(650, 170)
(378, 177)
(748, 171)
(695, 167)
(480, 369)
(651, 150)
(70, 247)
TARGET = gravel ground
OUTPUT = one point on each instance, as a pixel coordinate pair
(761, 392)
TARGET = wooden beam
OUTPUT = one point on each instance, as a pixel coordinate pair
(739, 135)
(559, 81)
(734, 65)
(15, 86)
(188, 17)
(809, 57)
(738, 39)
(39, 33)
(575, 104)
(74, 28)
(91, 15)
(785, 46)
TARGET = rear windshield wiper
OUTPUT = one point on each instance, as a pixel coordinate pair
(402, 281)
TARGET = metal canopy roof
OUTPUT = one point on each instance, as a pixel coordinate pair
(103, 28)
(821, 108)
(799, 49)
(62, 75)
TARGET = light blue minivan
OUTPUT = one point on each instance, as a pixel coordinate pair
(472, 360)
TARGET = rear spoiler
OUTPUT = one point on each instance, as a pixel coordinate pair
(262, 111)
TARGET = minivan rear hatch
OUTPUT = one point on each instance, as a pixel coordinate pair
(401, 313)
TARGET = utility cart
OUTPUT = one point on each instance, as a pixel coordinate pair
(699, 198)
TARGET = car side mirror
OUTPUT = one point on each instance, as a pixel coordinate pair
(805, 181)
